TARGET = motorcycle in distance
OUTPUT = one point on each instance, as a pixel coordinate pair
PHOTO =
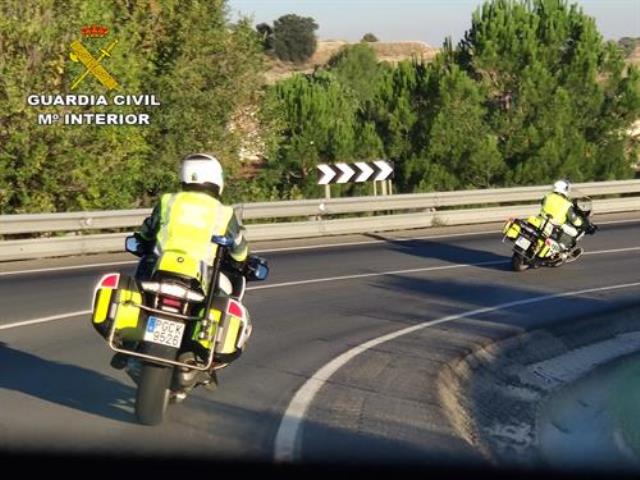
(536, 239)
(178, 327)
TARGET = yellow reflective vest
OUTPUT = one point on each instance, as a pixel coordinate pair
(181, 227)
(559, 208)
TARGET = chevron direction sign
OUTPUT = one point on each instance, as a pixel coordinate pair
(357, 172)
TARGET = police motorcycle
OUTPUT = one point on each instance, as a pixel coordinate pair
(539, 242)
(177, 328)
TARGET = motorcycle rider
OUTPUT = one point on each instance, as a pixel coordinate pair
(558, 206)
(186, 220)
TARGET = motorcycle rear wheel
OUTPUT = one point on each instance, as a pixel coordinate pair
(152, 397)
(518, 264)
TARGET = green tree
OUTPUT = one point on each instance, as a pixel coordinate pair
(316, 119)
(531, 93)
(369, 37)
(553, 87)
(356, 66)
(265, 31)
(201, 72)
(294, 38)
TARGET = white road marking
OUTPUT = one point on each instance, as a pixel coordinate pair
(303, 247)
(63, 316)
(274, 250)
(378, 274)
(71, 267)
(615, 250)
(288, 437)
(322, 280)
(52, 318)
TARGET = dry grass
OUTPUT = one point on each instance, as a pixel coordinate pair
(634, 58)
(392, 52)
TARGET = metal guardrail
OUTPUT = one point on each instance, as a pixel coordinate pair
(428, 203)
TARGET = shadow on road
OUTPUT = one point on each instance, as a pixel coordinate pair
(448, 252)
(64, 384)
(451, 297)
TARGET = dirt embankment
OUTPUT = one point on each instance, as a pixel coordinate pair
(392, 52)
(634, 58)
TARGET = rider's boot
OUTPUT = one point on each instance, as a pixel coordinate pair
(577, 252)
(119, 360)
(212, 383)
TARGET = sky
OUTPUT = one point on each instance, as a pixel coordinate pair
(429, 21)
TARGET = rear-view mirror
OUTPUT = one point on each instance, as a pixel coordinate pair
(262, 272)
(258, 268)
(132, 245)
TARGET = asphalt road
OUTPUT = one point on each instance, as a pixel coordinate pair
(58, 392)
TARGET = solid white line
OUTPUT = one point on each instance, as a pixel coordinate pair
(274, 250)
(324, 280)
(52, 318)
(615, 250)
(378, 274)
(409, 239)
(288, 437)
(414, 270)
(275, 285)
(370, 242)
(303, 247)
(614, 222)
(72, 267)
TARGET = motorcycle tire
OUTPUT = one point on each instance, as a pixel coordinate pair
(152, 396)
(518, 264)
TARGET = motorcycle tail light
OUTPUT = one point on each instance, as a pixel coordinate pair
(235, 309)
(110, 280)
(171, 302)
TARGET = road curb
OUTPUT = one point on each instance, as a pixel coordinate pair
(493, 394)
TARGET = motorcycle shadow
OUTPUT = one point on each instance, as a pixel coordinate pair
(448, 252)
(64, 384)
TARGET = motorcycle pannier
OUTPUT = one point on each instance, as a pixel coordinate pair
(119, 304)
(233, 329)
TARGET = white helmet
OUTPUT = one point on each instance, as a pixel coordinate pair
(562, 187)
(202, 169)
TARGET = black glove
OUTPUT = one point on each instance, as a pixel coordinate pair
(591, 229)
(228, 263)
(145, 247)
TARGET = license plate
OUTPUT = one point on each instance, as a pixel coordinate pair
(523, 243)
(164, 332)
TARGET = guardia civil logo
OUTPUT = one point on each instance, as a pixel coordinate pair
(93, 66)
(91, 72)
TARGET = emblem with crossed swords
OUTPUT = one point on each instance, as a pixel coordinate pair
(92, 65)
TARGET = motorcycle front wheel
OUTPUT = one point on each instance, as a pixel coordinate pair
(518, 263)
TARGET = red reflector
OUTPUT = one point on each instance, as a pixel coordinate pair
(170, 302)
(235, 309)
(110, 280)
